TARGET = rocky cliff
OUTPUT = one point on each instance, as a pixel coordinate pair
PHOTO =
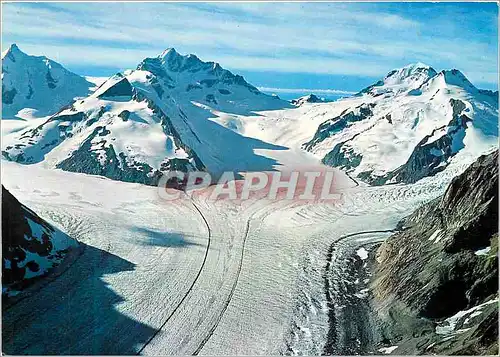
(436, 281)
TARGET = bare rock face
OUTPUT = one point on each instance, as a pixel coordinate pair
(30, 246)
(439, 275)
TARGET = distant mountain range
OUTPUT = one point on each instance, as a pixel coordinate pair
(179, 112)
(408, 126)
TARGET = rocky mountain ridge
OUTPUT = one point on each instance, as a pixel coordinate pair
(143, 122)
(408, 126)
(436, 281)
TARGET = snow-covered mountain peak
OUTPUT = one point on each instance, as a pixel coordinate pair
(160, 116)
(456, 78)
(408, 126)
(169, 52)
(187, 76)
(12, 50)
(15, 54)
(37, 83)
(453, 80)
(174, 61)
(310, 98)
(401, 80)
(410, 74)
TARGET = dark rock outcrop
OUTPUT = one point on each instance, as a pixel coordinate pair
(443, 262)
(337, 124)
(345, 159)
(121, 88)
(116, 167)
(28, 247)
(8, 95)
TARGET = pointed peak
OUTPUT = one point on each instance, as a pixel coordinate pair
(12, 50)
(417, 65)
(310, 98)
(452, 72)
(14, 47)
(169, 52)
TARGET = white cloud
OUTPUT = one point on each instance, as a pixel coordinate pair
(323, 38)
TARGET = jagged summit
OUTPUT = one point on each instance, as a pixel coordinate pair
(174, 69)
(169, 52)
(410, 73)
(37, 84)
(174, 61)
(14, 52)
(408, 77)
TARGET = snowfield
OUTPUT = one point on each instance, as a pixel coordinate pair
(198, 276)
(186, 277)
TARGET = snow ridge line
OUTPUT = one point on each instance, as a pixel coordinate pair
(192, 284)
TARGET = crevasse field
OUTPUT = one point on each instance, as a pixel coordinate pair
(189, 276)
(217, 277)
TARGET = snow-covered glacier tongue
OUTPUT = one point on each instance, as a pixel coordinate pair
(36, 85)
(220, 277)
(414, 123)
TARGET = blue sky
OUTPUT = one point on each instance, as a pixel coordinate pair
(329, 47)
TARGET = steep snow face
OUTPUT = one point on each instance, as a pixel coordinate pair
(413, 124)
(37, 83)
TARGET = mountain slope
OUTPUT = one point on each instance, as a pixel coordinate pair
(436, 282)
(30, 246)
(408, 126)
(110, 133)
(143, 122)
(37, 83)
